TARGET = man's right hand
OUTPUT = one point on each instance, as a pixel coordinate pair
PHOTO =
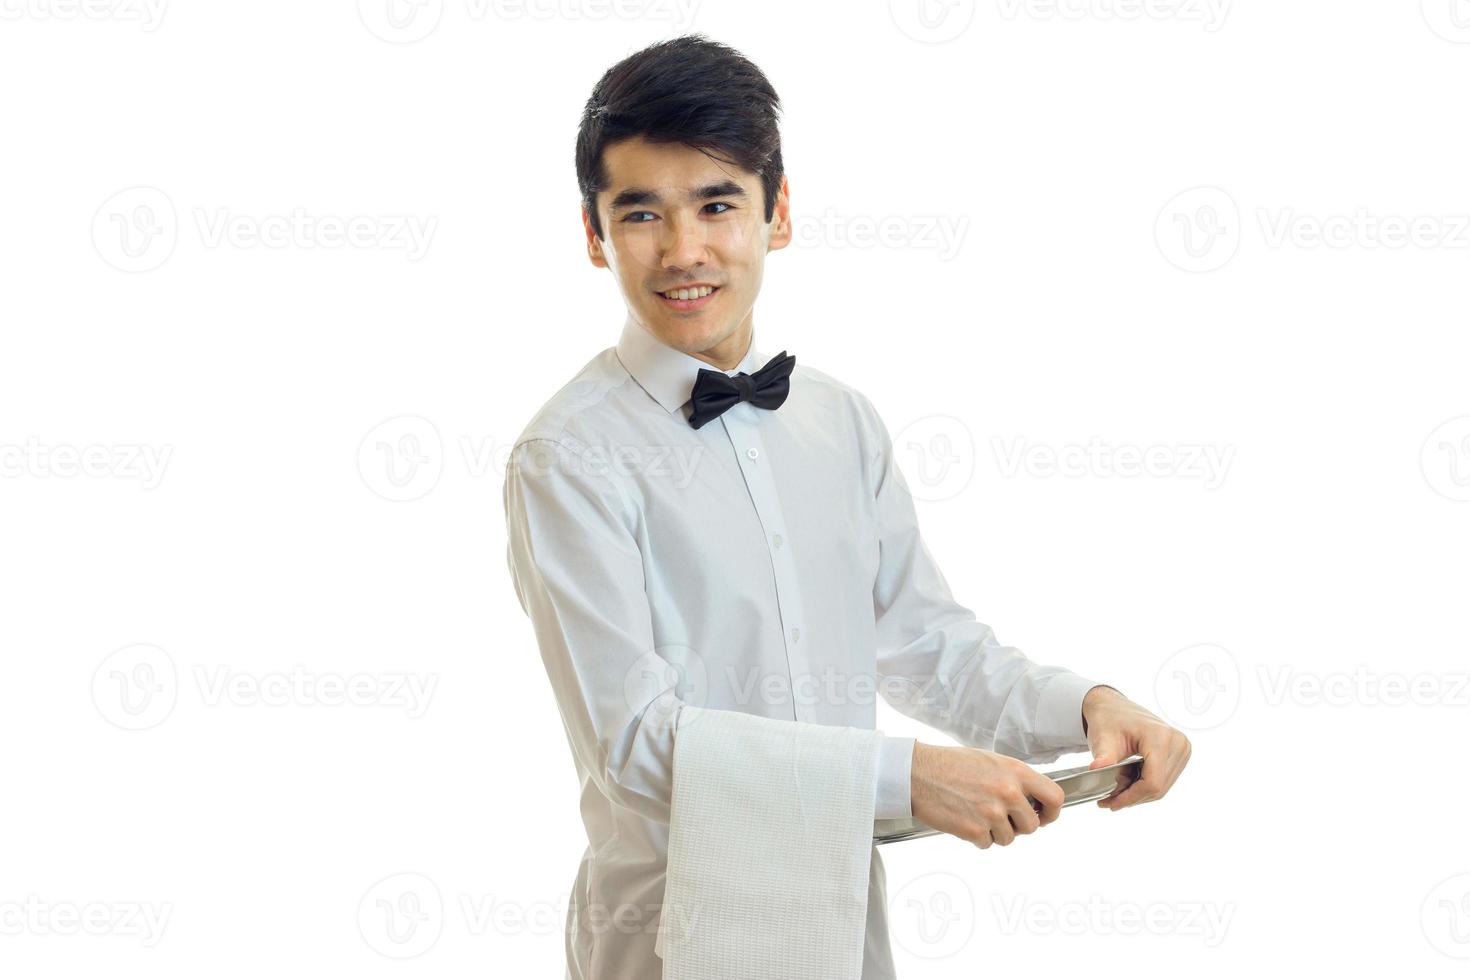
(980, 796)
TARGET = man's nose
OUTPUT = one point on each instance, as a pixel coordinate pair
(685, 242)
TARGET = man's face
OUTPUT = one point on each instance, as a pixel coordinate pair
(674, 218)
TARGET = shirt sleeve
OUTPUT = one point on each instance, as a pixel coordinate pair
(895, 772)
(578, 573)
(936, 662)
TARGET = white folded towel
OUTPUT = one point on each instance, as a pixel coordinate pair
(770, 836)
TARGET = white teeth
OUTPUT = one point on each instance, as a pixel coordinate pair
(694, 293)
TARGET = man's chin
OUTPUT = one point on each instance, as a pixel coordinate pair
(684, 332)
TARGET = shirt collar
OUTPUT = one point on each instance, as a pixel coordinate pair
(668, 374)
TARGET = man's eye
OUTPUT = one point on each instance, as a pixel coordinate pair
(720, 204)
(633, 216)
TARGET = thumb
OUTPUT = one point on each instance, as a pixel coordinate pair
(1105, 752)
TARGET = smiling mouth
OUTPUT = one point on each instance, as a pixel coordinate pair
(691, 298)
(693, 292)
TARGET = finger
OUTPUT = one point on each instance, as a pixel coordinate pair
(982, 839)
(1001, 832)
(1107, 745)
(1166, 768)
(1047, 795)
(1122, 782)
(1141, 790)
(1106, 750)
(1151, 782)
(1125, 777)
(1107, 801)
(1023, 822)
(1137, 790)
(1023, 819)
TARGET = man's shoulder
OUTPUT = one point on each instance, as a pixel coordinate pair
(564, 417)
(824, 387)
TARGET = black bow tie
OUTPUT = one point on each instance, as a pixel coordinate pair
(715, 391)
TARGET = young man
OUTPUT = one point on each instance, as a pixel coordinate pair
(692, 520)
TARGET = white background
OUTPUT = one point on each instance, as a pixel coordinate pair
(1229, 229)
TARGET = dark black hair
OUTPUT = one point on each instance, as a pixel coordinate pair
(688, 90)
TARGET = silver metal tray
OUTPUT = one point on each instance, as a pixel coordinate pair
(1080, 784)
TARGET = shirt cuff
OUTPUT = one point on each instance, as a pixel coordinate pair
(1059, 710)
(895, 766)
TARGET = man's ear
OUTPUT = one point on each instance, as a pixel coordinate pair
(781, 218)
(594, 246)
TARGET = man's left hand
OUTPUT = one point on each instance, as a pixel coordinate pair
(1117, 728)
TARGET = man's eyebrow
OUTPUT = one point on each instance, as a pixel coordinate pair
(634, 196)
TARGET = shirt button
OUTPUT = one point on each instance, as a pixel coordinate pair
(777, 540)
(795, 634)
(752, 452)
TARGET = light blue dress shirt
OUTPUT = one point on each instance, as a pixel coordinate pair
(769, 562)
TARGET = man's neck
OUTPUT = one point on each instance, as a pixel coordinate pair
(731, 351)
